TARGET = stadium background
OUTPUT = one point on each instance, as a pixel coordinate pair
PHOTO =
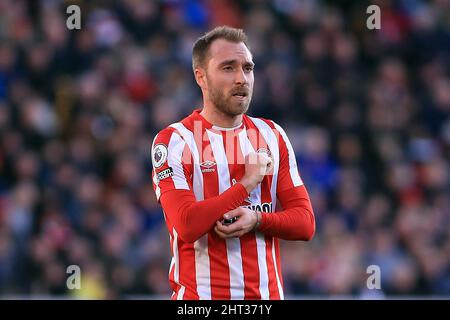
(367, 113)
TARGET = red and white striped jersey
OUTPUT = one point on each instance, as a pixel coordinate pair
(195, 155)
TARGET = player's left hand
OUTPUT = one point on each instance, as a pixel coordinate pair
(246, 221)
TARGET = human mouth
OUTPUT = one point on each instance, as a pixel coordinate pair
(239, 97)
(241, 94)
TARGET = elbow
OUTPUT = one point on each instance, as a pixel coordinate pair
(310, 234)
(307, 233)
(186, 232)
(301, 234)
(311, 229)
(187, 237)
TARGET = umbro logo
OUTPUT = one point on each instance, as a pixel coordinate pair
(207, 166)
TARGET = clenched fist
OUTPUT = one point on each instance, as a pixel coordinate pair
(257, 165)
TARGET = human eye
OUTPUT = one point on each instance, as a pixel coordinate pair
(249, 68)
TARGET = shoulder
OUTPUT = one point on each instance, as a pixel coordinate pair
(165, 136)
(176, 130)
(266, 124)
(170, 136)
(167, 144)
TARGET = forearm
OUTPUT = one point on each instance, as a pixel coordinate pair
(296, 222)
(192, 219)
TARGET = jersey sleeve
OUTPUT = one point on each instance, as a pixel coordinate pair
(295, 222)
(288, 175)
(172, 163)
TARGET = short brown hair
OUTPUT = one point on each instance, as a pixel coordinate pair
(201, 46)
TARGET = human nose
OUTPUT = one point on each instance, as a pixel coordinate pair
(241, 77)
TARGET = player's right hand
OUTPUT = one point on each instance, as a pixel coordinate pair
(246, 220)
(257, 165)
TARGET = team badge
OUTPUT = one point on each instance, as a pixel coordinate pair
(268, 153)
(159, 155)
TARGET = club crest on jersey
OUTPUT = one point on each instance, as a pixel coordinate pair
(266, 151)
(159, 155)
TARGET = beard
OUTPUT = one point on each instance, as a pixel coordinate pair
(227, 103)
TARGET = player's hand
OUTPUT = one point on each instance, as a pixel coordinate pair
(246, 221)
(257, 165)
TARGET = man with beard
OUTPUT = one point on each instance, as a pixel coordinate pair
(218, 174)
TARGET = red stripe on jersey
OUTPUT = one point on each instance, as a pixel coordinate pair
(273, 284)
(217, 248)
(187, 269)
(284, 176)
(196, 125)
(267, 182)
(266, 196)
(250, 266)
(258, 142)
(253, 134)
(249, 253)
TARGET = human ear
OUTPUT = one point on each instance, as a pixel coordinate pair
(200, 77)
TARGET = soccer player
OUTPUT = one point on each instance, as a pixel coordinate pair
(218, 174)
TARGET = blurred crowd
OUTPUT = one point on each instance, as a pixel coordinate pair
(367, 112)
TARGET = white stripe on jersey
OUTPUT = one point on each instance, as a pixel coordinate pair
(246, 148)
(158, 190)
(172, 261)
(262, 258)
(197, 177)
(293, 170)
(262, 264)
(271, 139)
(175, 149)
(202, 270)
(272, 142)
(234, 244)
(176, 273)
(181, 293)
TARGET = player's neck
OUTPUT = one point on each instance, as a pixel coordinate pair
(220, 119)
